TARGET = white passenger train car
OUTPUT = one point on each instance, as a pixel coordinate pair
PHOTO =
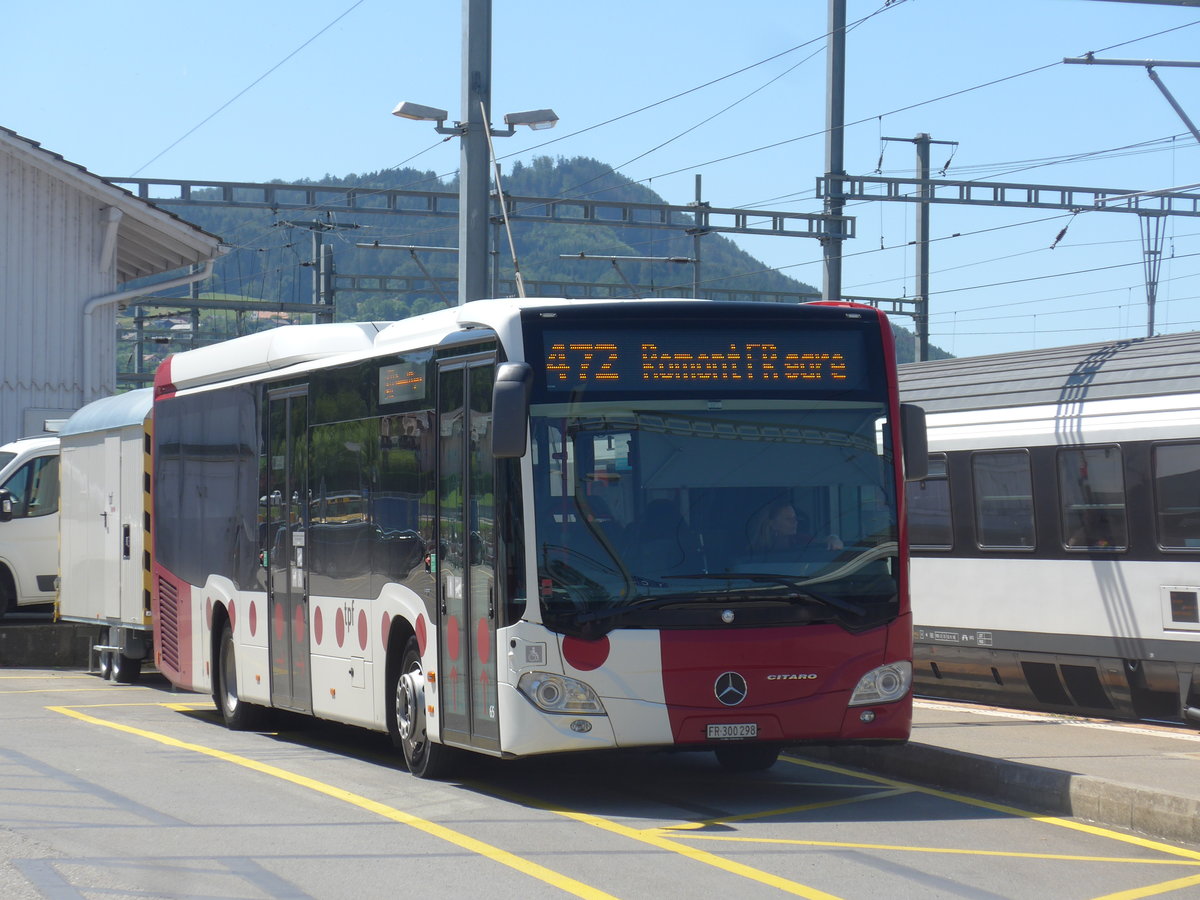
(1056, 540)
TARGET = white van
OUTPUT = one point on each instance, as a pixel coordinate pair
(29, 492)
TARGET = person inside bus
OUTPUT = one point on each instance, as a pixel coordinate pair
(781, 531)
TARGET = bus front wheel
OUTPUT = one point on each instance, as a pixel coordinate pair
(425, 759)
(236, 713)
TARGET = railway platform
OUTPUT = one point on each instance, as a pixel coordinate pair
(1139, 777)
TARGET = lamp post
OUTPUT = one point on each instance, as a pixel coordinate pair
(473, 169)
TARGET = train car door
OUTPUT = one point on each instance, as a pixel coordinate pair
(287, 564)
(466, 547)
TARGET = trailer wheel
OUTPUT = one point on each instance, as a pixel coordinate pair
(407, 689)
(104, 664)
(747, 757)
(125, 669)
(237, 714)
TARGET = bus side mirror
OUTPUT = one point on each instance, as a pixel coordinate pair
(915, 442)
(6, 505)
(510, 410)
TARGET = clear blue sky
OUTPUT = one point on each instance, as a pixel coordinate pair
(114, 86)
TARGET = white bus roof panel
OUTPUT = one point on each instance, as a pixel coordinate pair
(277, 348)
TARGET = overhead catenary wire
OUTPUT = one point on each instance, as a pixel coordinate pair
(774, 268)
(244, 90)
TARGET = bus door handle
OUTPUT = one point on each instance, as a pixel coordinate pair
(491, 601)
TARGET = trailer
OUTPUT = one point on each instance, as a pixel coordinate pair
(105, 529)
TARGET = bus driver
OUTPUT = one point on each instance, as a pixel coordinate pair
(779, 530)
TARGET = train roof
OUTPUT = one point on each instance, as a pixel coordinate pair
(1142, 367)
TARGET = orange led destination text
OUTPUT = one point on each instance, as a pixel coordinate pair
(739, 362)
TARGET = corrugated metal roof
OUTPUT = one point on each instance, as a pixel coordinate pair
(149, 240)
(1141, 367)
(118, 411)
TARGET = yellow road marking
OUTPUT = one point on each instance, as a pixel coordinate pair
(663, 843)
(55, 690)
(902, 848)
(1152, 890)
(1001, 808)
(45, 677)
(772, 813)
(657, 836)
(187, 707)
(526, 867)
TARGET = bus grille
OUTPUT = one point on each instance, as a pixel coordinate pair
(168, 624)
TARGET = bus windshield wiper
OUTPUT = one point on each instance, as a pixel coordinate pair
(639, 602)
(799, 585)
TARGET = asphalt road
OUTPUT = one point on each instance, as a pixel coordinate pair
(112, 791)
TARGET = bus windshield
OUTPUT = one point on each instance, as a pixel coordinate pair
(768, 509)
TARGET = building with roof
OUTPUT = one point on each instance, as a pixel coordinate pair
(71, 244)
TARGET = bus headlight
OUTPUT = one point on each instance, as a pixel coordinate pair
(560, 694)
(883, 685)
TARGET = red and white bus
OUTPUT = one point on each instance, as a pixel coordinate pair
(528, 526)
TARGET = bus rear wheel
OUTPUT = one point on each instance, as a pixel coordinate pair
(747, 757)
(425, 759)
(236, 713)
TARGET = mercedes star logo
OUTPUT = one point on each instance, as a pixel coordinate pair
(730, 688)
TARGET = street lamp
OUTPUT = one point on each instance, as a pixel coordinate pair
(536, 119)
(419, 113)
(473, 180)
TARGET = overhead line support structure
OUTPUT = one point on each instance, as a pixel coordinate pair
(444, 204)
(1151, 207)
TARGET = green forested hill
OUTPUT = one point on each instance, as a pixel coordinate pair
(273, 250)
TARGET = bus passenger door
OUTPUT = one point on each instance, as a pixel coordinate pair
(466, 553)
(287, 532)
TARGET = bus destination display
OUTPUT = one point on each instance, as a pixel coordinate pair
(682, 359)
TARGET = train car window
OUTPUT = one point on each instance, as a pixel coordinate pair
(1091, 493)
(1177, 495)
(929, 508)
(1003, 500)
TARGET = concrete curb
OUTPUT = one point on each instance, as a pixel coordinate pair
(47, 646)
(1156, 814)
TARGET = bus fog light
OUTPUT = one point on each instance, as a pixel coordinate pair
(581, 726)
(559, 694)
(867, 716)
(883, 685)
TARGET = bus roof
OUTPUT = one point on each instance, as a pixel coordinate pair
(264, 351)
